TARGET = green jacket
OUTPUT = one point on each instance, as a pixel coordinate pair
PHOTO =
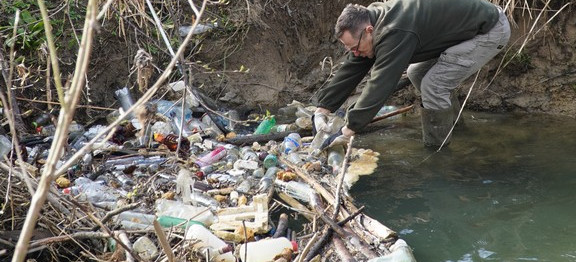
(405, 31)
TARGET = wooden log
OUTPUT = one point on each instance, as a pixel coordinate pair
(342, 251)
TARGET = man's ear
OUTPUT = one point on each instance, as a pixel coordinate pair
(370, 29)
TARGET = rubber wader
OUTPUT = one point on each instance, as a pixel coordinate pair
(436, 125)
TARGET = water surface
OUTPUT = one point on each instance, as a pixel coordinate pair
(504, 190)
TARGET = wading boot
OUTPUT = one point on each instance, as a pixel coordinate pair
(436, 125)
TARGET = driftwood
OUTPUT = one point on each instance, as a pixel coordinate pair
(342, 251)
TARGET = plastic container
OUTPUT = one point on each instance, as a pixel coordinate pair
(211, 157)
(200, 233)
(291, 142)
(295, 189)
(264, 250)
(265, 126)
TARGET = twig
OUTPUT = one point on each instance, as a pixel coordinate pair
(52, 49)
(163, 241)
(66, 115)
(341, 178)
(393, 113)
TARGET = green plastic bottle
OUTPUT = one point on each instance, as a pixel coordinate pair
(265, 126)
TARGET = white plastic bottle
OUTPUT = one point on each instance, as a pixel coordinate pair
(198, 232)
(264, 250)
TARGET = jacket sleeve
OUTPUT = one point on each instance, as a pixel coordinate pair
(344, 82)
(393, 55)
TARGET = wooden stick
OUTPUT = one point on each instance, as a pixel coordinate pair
(393, 113)
(341, 178)
(163, 241)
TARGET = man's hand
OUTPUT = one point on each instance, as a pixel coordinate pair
(342, 137)
(320, 121)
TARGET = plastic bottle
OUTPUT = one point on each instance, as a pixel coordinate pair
(295, 189)
(50, 130)
(385, 110)
(265, 126)
(267, 180)
(258, 173)
(42, 119)
(291, 142)
(294, 158)
(126, 101)
(248, 154)
(335, 158)
(91, 191)
(245, 164)
(135, 220)
(284, 128)
(200, 233)
(180, 210)
(211, 157)
(200, 28)
(270, 160)
(265, 249)
(244, 186)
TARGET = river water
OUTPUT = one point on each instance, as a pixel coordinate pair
(504, 190)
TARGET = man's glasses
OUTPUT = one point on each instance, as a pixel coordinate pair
(355, 48)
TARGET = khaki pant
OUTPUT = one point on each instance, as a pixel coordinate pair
(436, 78)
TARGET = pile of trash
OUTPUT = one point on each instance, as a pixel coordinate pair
(170, 184)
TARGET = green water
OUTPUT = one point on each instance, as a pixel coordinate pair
(503, 191)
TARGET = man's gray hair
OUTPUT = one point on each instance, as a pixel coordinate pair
(351, 19)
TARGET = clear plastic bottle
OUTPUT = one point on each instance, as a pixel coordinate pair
(295, 189)
(245, 164)
(335, 158)
(92, 191)
(211, 157)
(200, 233)
(5, 145)
(283, 128)
(267, 180)
(291, 143)
(248, 154)
(264, 250)
(294, 158)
